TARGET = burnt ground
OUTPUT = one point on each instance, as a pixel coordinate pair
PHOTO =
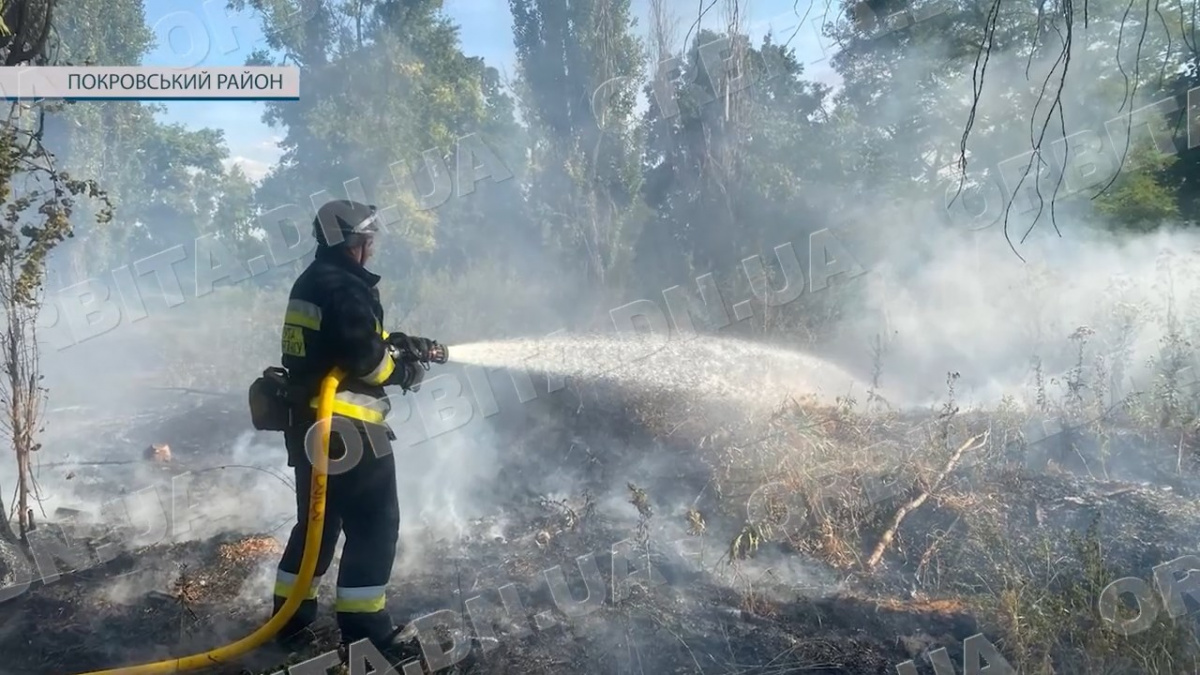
(1016, 543)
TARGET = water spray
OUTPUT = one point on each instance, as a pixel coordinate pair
(734, 371)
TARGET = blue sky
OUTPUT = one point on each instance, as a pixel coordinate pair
(201, 33)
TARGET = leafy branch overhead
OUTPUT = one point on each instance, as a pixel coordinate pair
(37, 218)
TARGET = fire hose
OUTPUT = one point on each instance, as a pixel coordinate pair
(308, 565)
(403, 350)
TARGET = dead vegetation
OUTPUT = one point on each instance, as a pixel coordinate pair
(1018, 516)
(822, 536)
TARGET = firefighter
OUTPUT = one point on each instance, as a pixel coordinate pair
(334, 318)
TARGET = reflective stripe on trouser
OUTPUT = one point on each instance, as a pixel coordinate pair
(358, 407)
(361, 600)
(293, 553)
(286, 581)
(306, 613)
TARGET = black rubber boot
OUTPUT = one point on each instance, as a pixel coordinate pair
(296, 631)
(401, 648)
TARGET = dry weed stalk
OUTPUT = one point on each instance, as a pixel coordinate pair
(974, 443)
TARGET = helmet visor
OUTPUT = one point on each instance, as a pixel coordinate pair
(369, 225)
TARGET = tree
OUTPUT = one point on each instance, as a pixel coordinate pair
(1140, 199)
(39, 201)
(730, 171)
(579, 61)
(1183, 175)
(227, 202)
(151, 170)
(397, 95)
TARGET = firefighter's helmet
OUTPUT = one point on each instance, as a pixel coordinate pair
(344, 222)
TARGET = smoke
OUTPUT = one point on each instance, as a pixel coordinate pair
(445, 484)
(973, 309)
(986, 272)
(944, 292)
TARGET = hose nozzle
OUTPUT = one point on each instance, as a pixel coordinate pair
(438, 354)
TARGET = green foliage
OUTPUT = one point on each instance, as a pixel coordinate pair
(1181, 176)
(36, 219)
(605, 191)
(1140, 198)
(102, 33)
(153, 172)
(730, 169)
(617, 197)
(394, 83)
(39, 213)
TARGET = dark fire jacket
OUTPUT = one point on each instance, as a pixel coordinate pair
(334, 318)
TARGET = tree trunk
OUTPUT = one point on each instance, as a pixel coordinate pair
(6, 531)
(23, 511)
(20, 390)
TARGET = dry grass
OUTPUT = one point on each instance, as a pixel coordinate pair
(826, 482)
(989, 538)
(249, 550)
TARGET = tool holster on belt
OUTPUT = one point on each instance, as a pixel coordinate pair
(272, 400)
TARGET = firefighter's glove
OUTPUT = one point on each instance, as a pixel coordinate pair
(408, 348)
(407, 375)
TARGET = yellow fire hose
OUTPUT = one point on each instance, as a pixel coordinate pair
(308, 565)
